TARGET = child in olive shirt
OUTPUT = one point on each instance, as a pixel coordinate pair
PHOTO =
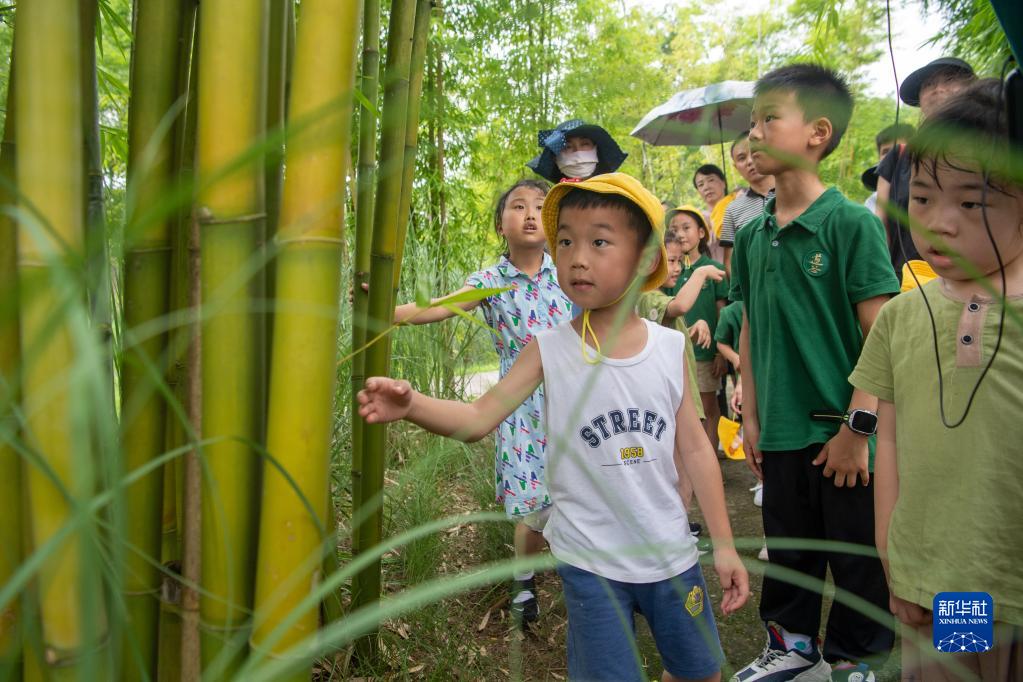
(812, 274)
(922, 482)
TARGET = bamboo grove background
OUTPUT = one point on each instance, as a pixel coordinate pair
(188, 192)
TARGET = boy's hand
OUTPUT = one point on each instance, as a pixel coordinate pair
(711, 272)
(908, 613)
(384, 400)
(751, 445)
(736, 401)
(734, 579)
(700, 331)
(845, 457)
(720, 366)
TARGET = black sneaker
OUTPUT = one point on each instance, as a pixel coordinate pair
(695, 528)
(528, 610)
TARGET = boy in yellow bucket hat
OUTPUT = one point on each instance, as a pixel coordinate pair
(620, 427)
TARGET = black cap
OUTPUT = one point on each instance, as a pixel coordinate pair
(869, 178)
(909, 92)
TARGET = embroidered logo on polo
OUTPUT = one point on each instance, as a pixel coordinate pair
(816, 263)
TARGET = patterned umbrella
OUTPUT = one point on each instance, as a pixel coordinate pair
(712, 114)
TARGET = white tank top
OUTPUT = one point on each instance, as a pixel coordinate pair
(610, 467)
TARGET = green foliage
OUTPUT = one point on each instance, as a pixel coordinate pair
(971, 31)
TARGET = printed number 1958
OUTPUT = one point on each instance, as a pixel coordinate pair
(632, 453)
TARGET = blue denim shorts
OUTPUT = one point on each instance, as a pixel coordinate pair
(602, 631)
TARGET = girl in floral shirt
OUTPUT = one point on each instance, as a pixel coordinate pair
(533, 302)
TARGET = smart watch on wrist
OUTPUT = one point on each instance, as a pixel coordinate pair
(863, 422)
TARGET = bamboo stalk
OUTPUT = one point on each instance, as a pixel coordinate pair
(231, 112)
(10, 463)
(97, 253)
(183, 375)
(49, 175)
(154, 80)
(369, 83)
(420, 39)
(306, 319)
(366, 585)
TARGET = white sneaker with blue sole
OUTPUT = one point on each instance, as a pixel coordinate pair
(776, 663)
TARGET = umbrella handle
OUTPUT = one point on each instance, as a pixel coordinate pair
(721, 140)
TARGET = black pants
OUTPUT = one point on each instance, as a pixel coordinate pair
(800, 503)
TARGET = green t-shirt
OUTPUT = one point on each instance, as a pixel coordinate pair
(800, 285)
(957, 523)
(706, 305)
(729, 325)
(652, 306)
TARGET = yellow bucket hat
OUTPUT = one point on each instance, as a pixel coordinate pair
(697, 215)
(610, 183)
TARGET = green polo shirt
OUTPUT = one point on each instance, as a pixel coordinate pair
(729, 325)
(800, 285)
(706, 305)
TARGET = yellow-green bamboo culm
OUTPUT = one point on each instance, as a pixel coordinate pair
(420, 38)
(369, 84)
(366, 585)
(50, 181)
(230, 212)
(182, 376)
(308, 242)
(154, 78)
(10, 462)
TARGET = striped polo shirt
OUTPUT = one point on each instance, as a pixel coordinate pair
(746, 207)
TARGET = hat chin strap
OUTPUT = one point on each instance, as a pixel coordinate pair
(588, 329)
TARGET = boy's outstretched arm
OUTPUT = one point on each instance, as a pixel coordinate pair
(386, 400)
(694, 456)
(686, 297)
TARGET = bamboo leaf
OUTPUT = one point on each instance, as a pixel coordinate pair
(474, 295)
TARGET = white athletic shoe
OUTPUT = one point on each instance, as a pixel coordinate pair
(763, 553)
(778, 664)
(758, 495)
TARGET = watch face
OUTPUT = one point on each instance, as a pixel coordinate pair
(863, 421)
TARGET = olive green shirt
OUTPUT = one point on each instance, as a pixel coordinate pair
(957, 523)
(800, 285)
(729, 325)
(651, 306)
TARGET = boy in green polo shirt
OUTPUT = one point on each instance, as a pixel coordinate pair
(812, 274)
(945, 361)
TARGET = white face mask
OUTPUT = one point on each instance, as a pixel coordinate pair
(579, 164)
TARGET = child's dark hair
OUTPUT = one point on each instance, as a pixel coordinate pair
(710, 169)
(894, 132)
(971, 127)
(541, 186)
(670, 237)
(820, 92)
(583, 198)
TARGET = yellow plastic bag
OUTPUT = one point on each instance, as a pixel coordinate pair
(731, 440)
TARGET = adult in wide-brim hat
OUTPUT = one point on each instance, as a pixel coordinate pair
(909, 91)
(609, 155)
